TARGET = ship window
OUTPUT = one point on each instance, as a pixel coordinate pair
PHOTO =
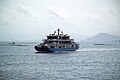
(66, 46)
(72, 46)
(63, 46)
(65, 37)
(60, 42)
(60, 37)
(45, 46)
(52, 46)
(50, 41)
(59, 46)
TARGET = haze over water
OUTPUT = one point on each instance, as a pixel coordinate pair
(90, 62)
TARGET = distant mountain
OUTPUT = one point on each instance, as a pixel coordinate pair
(102, 37)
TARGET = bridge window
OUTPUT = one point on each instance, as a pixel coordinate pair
(52, 37)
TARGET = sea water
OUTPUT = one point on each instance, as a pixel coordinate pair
(90, 62)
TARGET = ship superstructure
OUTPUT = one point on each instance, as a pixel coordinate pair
(57, 42)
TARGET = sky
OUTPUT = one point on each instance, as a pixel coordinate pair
(23, 20)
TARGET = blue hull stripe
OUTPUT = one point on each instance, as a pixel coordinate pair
(63, 49)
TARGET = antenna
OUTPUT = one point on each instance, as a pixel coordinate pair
(54, 32)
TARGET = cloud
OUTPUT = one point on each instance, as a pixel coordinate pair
(20, 15)
(25, 11)
(57, 12)
(92, 17)
(108, 11)
(110, 16)
(106, 20)
(6, 16)
(101, 20)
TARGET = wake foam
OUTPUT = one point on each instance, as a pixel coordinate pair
(100, 49)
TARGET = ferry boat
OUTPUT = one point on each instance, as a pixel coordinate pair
(57, 42)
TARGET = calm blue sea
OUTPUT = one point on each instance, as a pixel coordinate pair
(90, 62)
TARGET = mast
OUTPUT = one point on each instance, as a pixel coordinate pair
(58, 35)
(58, 31)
